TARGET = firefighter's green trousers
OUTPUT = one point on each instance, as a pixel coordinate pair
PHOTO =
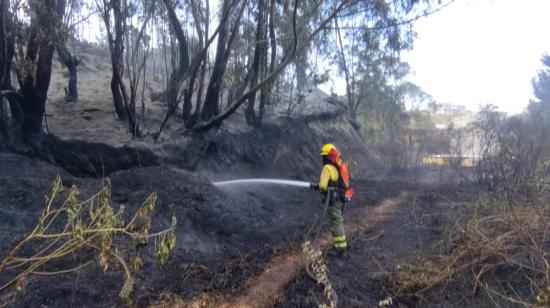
(336, 220)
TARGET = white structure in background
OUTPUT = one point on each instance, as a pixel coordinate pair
(453, 109)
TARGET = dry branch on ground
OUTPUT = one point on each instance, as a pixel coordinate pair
(497, 248)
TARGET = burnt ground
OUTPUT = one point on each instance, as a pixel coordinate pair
(226, 238)
(215, 229)
(223, 237)
(393, 236)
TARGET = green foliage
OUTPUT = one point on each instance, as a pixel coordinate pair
(540, 107)
(75, 227)
(380, 104)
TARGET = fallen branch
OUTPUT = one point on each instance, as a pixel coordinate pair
(88, 226)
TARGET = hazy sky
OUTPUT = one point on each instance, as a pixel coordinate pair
(481, 51)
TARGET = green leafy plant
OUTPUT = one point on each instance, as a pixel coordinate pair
(92, 230)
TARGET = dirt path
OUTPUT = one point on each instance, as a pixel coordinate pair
(264, 290)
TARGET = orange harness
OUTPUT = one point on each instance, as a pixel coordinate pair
(343, 185)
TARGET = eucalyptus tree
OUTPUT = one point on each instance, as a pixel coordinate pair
(181, 84)
(293, 44)
(372, 46)
(138, 46)
(71, 17)
(275, 34)
(128, 47)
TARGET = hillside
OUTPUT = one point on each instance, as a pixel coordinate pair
(317, 120)
(224, 237)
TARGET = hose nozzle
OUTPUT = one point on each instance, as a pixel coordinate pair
(314, 186)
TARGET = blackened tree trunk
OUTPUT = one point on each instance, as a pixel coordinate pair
(35, 83)
(117, 98)
(7, 50)
(199, 19)
(116, 50)
(266, 91)
(261, 43)
(116, 45)
(71, 62)
(199, 60)
(196, 114)
(3, 70)
(124, 109)
(287, 59)
(211, 106)
(178, 75)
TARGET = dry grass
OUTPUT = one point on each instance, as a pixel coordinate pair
(496, 249)
(320, 271)
(169, 300)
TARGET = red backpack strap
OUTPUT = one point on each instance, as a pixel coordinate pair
(344, 174)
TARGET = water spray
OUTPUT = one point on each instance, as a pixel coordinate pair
(263, 181)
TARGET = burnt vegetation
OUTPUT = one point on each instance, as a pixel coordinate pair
(190, 91)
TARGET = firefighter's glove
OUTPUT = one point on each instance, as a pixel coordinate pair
(314, 186)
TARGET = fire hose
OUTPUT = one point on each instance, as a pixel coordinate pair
(317, 226)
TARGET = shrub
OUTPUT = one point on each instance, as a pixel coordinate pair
(91, 229)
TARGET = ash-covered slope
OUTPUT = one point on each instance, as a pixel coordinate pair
(90, 141)
(217, 230)
(214, 228)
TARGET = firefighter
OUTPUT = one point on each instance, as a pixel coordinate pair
(334, 184)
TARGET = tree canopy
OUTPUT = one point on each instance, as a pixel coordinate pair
(214, 60)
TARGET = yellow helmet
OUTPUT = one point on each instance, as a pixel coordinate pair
(326, 149)
(331, 153)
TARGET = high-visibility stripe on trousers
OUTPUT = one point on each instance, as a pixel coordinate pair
(336, 220)
(340, 242)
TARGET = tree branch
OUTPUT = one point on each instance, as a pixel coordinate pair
(216, 121)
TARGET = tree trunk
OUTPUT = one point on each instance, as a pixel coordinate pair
(117, 97)
(291, 53)
(187, 103)
(124, 108)
(265, 96)
(196, 113)
(200, 58)
(301, 65)
(264, 92)
(351, 112)
(116, 50)
(178, 75)
(211, 106)
(71, 62)
(34, 87)
(3, 70)
(260, 39)
(7, 50)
